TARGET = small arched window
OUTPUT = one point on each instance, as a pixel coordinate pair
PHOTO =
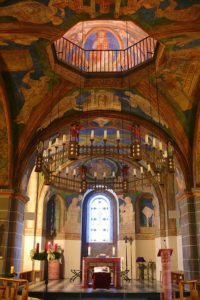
(53, 216)
(99, 221)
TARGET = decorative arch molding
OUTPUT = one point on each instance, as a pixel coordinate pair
(96, 247)
(6, 143)
(196, 150)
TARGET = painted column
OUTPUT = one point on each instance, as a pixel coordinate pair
(190, 214)
(4, 227)
(165, 255)
(15, 231)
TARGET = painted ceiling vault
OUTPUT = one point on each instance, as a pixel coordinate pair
(36, 93)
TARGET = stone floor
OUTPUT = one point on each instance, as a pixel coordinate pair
(64, 289)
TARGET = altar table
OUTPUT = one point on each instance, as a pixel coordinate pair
(88, 261)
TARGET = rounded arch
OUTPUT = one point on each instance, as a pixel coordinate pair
(106, 246)
(58, 211)
(156, 193)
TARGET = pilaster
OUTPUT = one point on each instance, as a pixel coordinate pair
(190, 214)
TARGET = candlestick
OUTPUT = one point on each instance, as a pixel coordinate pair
(89, 250)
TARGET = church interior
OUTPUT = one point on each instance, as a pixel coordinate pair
(100, 141)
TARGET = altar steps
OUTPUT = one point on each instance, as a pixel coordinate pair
(64, 289)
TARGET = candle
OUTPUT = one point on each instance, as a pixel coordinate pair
(59, 168)
(160, 146)
(154, 142)
(118, 135)
(141, 170)
(64, 138)
(122, 261)
(46, 246)
(12, 269)
(134, 172)
(89, 250)
(57, 142)
(113, 174)
(148, 167)
(104, 174)
(56, 247)
(105, 135)
(37, 247)
(50, 143)
(92, 135)
(74, 172)
(67, 171)
(146, 139)
(95, 174)
(113, 251)
(49, 245)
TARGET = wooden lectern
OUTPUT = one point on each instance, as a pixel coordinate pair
(165, 255)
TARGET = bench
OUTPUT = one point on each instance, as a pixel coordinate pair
(9, 288)
(194, 295)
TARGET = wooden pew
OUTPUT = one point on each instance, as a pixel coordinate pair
(9, 288)
(194, 295)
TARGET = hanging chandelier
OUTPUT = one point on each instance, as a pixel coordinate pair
(152, 158)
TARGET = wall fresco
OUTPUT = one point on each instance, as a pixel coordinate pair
(33, 93)
(98, 99)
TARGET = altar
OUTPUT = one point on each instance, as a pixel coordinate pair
(89, 262)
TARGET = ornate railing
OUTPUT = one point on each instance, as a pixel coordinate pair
(91, 61)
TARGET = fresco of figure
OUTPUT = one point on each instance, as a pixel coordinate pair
(126, 212)
(73, 214)
(98, 59)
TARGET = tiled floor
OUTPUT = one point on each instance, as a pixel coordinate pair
(63, 289)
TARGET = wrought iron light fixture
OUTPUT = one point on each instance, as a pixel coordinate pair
(153, 158)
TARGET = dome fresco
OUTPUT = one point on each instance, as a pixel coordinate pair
(110, 34)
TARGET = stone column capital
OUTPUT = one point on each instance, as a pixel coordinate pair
(10, 193)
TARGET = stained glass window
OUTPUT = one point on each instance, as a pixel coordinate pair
(99, 221)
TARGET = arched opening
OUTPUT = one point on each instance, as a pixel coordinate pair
(100, 223)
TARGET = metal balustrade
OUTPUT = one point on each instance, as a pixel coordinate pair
(91, 61)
